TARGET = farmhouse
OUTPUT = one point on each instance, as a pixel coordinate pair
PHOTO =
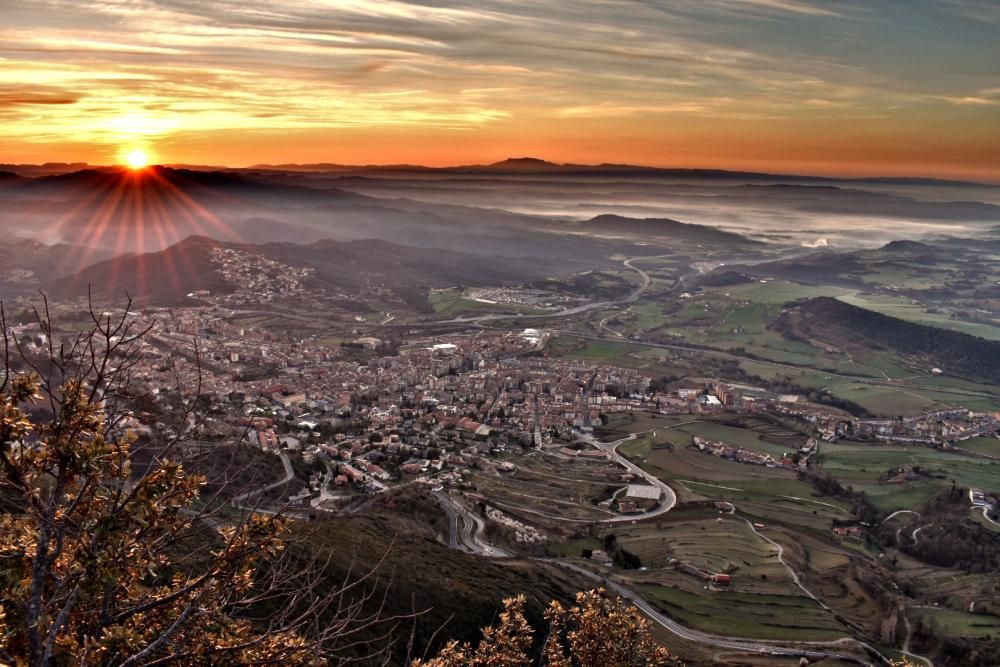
(721, 579)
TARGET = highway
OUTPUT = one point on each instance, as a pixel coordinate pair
(452, 514)
(465, 528)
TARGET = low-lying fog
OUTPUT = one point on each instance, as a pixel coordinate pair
(812, 214)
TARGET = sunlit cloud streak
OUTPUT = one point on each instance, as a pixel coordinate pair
(711, 80)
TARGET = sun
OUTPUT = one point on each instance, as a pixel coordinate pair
(136, 158)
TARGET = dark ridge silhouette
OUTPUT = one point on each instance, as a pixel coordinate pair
(528, 164)
(829, 319)
(662, 227)
(9, 179)
(908, 247)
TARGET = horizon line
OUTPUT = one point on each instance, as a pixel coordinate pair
(841, 176)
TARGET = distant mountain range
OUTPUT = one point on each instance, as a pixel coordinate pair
(515, 165)
(147, 211)
(531, 165)
(124, 230)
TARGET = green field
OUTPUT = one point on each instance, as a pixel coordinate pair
(453, 303)
(882, 399)
(712, 543)
(860, 466)
(962, 624)
(725, 318)
(609, 352)
(782, 291)
(982, 445)
(734, 614)
(774, 494)
(731, 435)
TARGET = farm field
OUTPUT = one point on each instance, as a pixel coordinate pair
(782, 291)
(876, 399)
(982, 445)
(737, 316)
(679, 431)
(892, 497)
(897, 397)
(773, 494)
(739, 437)
(710, 542)
(879, 399)
(954, 590)
(595, 350)
(962, 624)
(862, 465)
(785, 501)
(786, 617)
(533, 499)
(546, 485)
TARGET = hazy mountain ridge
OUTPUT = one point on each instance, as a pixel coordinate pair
(233, 207)
(27, 265)
(538, 165)
(663, 227)
(167, 276)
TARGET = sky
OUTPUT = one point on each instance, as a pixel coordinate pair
(849, 87)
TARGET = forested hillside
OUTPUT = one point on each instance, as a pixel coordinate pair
(834, 321)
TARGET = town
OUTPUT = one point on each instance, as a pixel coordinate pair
(371, 413)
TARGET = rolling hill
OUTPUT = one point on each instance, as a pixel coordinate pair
(662, 228)
(837, 323)
(167, 276)
(27, 265)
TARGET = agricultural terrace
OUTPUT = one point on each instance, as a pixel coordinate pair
(554, 486)
(662, 448)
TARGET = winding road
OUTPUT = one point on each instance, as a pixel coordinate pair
(289, 476)
(645, 282)
(809, 649)
(986, 515)
(898, 512)
(465, 528)
(791, 570)
(668, 498)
